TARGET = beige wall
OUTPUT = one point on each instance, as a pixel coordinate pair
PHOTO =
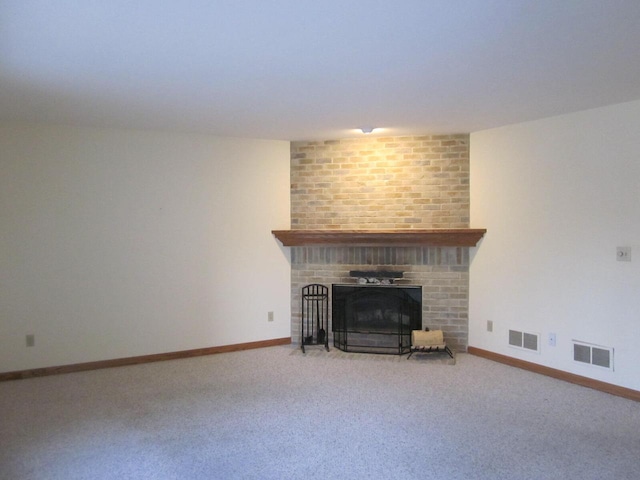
(557, 196)
(119, 243)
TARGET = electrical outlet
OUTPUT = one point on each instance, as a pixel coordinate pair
(552, 339)
(489, 325)
(270, 316)
(31, 340)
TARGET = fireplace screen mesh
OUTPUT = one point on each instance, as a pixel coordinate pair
(375, 319)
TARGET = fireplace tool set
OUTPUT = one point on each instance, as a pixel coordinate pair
(315, 316)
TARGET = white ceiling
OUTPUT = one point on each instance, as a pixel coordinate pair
(303, 70)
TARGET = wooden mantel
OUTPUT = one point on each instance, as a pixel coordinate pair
(449, 237)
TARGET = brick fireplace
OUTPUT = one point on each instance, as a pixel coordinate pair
(393, 184)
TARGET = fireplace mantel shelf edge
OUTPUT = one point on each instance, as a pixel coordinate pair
(440, 237)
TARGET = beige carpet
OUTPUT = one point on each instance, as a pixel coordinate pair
(317, 350)
(274, 413)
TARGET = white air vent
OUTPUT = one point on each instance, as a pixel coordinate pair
(524, 340)
(592, 354)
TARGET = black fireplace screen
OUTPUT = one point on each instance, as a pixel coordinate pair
(375, 318)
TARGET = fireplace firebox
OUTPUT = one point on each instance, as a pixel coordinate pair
(375, 318)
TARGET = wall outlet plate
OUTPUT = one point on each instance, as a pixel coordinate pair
(552, 339)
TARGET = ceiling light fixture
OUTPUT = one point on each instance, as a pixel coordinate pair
(367, 130)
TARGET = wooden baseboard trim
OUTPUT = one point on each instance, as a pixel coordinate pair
(559, 374)
(119, 362)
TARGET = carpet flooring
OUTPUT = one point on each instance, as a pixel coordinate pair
(275, 413)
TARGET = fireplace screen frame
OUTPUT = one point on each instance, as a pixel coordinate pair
(375, 318)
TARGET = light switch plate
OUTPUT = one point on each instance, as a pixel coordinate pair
(623, 254)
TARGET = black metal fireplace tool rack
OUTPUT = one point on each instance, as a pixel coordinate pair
(315, 316)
